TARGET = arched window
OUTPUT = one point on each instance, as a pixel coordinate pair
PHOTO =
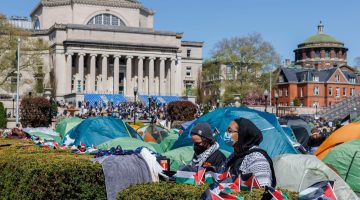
(106, 19)
(37, 24)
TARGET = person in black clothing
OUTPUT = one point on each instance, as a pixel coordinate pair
(315, 140)
(248, 159)
(206, 149)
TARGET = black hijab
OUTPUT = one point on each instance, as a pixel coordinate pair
(249, 135)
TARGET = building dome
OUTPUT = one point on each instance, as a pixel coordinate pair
(321, 38)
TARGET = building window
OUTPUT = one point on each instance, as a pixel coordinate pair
(327, 54)
(280, 92)
(188, 71)
(106, 19)
(188, 53)
(317, 54)
(330, 91)
(281, 79)
(337, 78)
(337, 92)
(352, 80)
(316, 91)
(286, 92)
(72, 84)
(344, 91)
(315, 78)
(301, 92)
(37, 24)
(352, 92)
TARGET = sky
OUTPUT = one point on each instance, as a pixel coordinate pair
(283, 23)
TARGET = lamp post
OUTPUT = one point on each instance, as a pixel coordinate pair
(276, 96)
(135, 92)
(266, 94)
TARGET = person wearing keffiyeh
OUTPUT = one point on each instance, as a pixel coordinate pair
(207, 153)
(248, 158)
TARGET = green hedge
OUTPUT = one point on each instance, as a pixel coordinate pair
(172, 191)
(29, 172)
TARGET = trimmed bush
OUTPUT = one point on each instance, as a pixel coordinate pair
(3, 119)
(181, 110)
(29, 172)
(172, 191)
(35, 112)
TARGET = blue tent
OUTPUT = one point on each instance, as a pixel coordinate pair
(97, 130)
(275, 141)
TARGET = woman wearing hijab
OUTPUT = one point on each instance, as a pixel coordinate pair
(248, 158)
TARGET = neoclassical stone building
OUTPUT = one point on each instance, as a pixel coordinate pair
(111, 46)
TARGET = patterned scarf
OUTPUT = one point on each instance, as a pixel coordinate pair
(198, 160)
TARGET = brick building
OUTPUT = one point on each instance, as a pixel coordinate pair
(320, 76)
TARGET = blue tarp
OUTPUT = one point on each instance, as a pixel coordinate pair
(159, 99)
(103, 99)
(97, 130)
(275, 141)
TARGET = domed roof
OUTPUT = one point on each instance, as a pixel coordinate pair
(321, 38)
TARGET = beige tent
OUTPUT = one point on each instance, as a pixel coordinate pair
(297, 172)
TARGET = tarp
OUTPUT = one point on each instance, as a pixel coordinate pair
(65, 125)
(275, 141)
(298, 172)
(97, 130)
(126, 143)
(342, 135)
(43, 133)
(345, 159)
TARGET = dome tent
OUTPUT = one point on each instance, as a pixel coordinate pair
(275, 141)
(345, 159)
(97, 130)
(65, 125)
(298, 172)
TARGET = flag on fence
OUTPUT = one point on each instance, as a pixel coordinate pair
(190, 175)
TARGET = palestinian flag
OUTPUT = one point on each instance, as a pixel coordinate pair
(227, 196)
(215, 195)
(277, 194)
(249, 183)
(212, 177)
(190, 177)
(317, 190)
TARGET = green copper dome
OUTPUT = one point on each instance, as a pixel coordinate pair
(321, 38)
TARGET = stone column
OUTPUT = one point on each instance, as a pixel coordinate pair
(61, 74)
(151, 75)
(92, 72)
(128, 75)
(116, 73)
(140, 74)
(68, 75)
(162, 76)
(104, 75)
(81, 72)
(179, 86)
(173, 79)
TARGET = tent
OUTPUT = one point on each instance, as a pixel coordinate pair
(97, 130)
(65, 125)
(183, 156)
(345, 159)
(153, 133)
(126, 143)
(275, 141)
(301, 129)
(298, 172)
(187, 124)
(357, 119)
(43, 133)
(343, 134)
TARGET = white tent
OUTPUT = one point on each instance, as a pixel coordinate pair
(297, 172)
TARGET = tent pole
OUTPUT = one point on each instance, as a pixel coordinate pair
(352, 160)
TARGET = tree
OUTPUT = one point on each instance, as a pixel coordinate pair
(31, 61)
(3, 119)
(296, 101)
(250, 57)
(35, 112)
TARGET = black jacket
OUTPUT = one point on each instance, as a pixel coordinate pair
(215, 159)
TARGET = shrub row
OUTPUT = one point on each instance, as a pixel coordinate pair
(29, 172)
(173, 191)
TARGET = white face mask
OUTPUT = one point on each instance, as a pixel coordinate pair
(228, 139)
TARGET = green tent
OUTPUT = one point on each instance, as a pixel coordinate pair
(126, 143)
(43, 133)
(65, 125)
(345, 159)
(168, 141)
